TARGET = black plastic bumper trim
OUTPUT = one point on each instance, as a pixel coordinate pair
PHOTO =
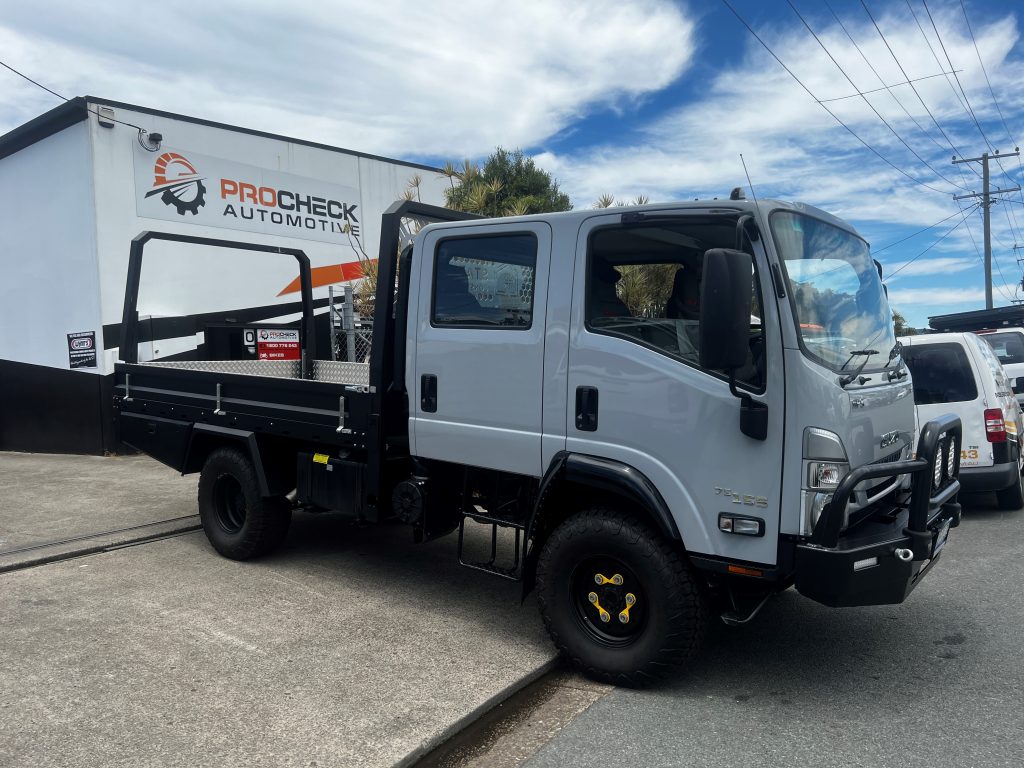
(993, 478)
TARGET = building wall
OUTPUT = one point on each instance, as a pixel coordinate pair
(50, 284)
(50, 288)
(124, 174)
(70, 205)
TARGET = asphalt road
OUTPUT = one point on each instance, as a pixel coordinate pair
(937, 681)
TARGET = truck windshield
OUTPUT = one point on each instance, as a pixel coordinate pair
(842, 313)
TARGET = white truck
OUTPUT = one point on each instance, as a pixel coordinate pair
(677, 410)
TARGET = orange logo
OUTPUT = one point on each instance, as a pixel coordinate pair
(178, 183)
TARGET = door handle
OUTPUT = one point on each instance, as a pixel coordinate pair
(428, 393)
(586, 409)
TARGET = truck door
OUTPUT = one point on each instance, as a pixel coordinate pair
(638, 395)
(476, 396)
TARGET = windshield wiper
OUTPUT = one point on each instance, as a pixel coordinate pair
(900, 372)
(844, 381)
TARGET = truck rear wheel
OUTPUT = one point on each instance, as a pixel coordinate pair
(619, 602)
(238, 521)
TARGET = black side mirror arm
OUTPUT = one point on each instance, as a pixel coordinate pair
(753, 414)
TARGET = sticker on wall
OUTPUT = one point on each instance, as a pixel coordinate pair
(82, 349)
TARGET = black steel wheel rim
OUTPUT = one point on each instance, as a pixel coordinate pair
(608, 599)
(229, 503)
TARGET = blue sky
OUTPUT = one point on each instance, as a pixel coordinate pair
(651, 97)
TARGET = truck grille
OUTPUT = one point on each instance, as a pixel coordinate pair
(888, 459)
(883, 482)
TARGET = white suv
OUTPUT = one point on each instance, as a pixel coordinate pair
(959, 373)
(1008, 344)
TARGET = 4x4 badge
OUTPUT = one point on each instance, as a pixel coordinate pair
(889, 438)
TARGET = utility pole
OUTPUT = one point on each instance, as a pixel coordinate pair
(1020, 267)
(986, 204)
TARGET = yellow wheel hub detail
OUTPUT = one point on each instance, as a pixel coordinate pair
(605, 616)
(602, 580)
(630, 602)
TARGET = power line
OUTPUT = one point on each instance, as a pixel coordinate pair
(900, 65)
(948, 232)
(882, 81)
(984, 71)
(40, 85)
(885, 88)
(999, 110)
(915, 234)
(967, 101)
(834, 116)
(868, 101)
(142, 131)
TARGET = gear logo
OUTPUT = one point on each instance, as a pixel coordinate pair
(178, 183)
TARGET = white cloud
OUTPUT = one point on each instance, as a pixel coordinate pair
(943, 265)
(445, 78)
(794, 149)
(936, 296)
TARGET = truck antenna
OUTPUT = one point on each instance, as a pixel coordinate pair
(753, 194)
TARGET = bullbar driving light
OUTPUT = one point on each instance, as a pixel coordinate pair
(937, 475)
(744, 526)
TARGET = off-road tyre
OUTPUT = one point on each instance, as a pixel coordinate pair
(669, 630)
(238, 521)
(1013, 497)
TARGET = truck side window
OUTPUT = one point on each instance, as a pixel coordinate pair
(643, 284)
(485, 282)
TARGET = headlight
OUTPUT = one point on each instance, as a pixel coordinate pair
(817, 505)
(951, 458)
(826, 474)
(813, 505)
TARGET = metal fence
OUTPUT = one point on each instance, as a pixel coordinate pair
(351, 335)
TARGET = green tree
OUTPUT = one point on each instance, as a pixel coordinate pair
(507, 184)
(900, 322)
(607, 201)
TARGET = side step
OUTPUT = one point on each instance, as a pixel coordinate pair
(512, 573)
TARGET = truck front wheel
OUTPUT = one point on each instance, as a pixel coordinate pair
(619, 602)
(238, 521)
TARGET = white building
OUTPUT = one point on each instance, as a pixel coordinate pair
(79, 182)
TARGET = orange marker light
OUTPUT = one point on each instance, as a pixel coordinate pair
(745, 571)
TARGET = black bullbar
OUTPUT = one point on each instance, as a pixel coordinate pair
(880, 561)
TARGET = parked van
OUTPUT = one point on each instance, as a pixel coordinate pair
(959, 373)
(1008, 344)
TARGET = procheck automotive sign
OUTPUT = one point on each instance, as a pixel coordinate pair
(183, 186)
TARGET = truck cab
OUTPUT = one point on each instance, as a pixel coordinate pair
(678, 409)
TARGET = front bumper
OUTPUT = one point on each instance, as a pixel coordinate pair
(881, 560)
(993, 478)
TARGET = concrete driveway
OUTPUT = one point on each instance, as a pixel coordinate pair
(350, 647)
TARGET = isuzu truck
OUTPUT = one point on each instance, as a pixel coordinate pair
(668, 412)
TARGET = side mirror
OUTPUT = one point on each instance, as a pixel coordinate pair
(725, 309)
